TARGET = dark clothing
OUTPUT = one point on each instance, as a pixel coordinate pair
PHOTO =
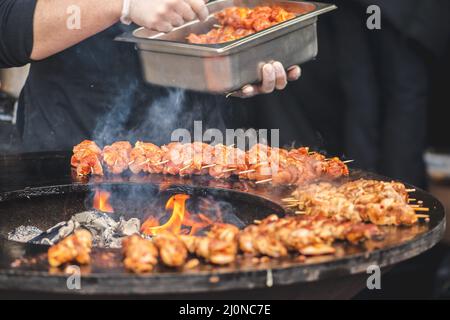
(424, 21)
(365, 97)
(16, 32)
(67, 94)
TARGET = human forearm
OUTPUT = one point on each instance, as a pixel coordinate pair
(52, 34)
(53, 27)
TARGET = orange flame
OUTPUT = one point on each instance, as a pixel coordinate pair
(178, 221)
(101, 201)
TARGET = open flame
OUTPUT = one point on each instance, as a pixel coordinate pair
(181, 220)
(101, 201)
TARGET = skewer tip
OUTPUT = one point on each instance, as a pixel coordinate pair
(263, 181)
(421, 209)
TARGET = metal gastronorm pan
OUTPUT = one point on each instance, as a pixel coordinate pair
(168, 60)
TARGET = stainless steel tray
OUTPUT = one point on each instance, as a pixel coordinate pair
(168, 60)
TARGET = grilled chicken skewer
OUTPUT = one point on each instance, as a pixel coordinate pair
(275, 237)
(261, 163)
(146, 157)
(74, 248)
(86, 159)
(117, 156)
(227, 161)
(382, 203)
(219, 246)
(172, 250)
(140, 255)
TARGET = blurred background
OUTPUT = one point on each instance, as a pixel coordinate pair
(379, 97)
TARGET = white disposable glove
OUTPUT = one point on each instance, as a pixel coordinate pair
(164, 15)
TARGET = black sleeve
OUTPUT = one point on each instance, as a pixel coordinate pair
(16, 32)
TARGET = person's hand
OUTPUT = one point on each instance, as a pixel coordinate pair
(164, 15)
(273, 77)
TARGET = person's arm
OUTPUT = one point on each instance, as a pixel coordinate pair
(37, 29)
(51, 31)
(51, 34)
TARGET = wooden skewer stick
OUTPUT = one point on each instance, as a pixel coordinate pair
(292, 204)
(410, 190)
(415, 206)
(412, 200)
(162, 162)
(260, 164)
(300, 212)
(144, 162)
(186, 167)
(263, 181)
(229, 94)
(344, 162)
(247, 171)
(423, 216)
(422, 209)
(131, 162)
(288, 199)
(229, 170)
(209, 166)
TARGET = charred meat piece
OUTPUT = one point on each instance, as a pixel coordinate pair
(89, 164)
(227, 160)
(172, 250)
(140, 255)
(86, 145)
(218, 247)
(194, 156)
(116, 157)
(175, 158)
(224, 232)
(146, 157)
(335, 168)
(75, 248)
(262, 239)
(86, 158)
(201, 155)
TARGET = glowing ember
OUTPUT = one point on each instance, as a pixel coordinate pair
(101, 201)
(180, 222)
